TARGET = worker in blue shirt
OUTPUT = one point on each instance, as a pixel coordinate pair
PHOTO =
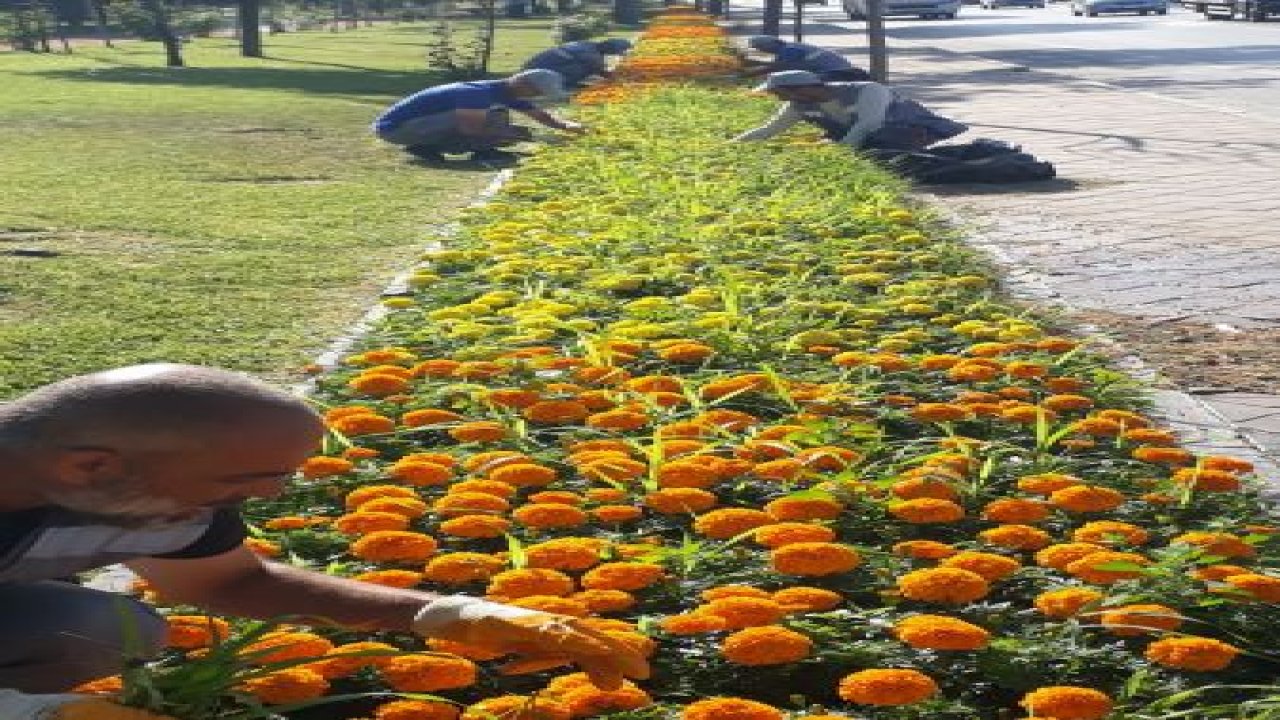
(472, 116)
(577, 61)
(827, 65)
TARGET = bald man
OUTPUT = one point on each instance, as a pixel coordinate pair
(147, 466)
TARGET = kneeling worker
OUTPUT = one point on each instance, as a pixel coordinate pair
(472, 116)
(827, 65)
(577, 61)
(857, 114)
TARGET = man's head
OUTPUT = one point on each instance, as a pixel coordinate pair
(154, 441)
(613, 46)
(795, 86)
(542, 84)
(765, 43)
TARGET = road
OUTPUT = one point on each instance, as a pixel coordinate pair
(1233, 66)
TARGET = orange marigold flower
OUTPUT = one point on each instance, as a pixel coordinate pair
(290, 522)
(1198, 654)
(742, 612)
(790, 533)
(429, 416)
(814, 559)
(727, 708)
(1218, 572)
(378, 384)
(485, 462)
(479, 431)
(1015, 510)
(523, 474)
(390, 578)
(517, 707)
(363, 522)
(565, 553)
(692, 624)
(1163, 455)
(724, 591)
(1061, 555)
(394, 546)
(924, 549)
(940, 412)
(618, 420)
(1016, 537)
(1229, 464)
(475, 526)
(616, 468)
(362, 495)
(801, 509)
(927, 487)
(939, 632)
(1207, 480)
(1087, 499)
(468, 503)
(552, 604)
(416, 710)
(189, 632)
(828, 458)
(350, 658)
(1149, 436)
(1098, 427)
(457, 568)
(1260, 587)
(1066, 403)
(808, 599)
(887, 687)
(420, 474)
(322, 467)
(686, 353)
(1225, 545)
(617, 513)
(549, 515)
(990, 566)
(1133, 620)
(1100, 568)
(112, 685)
(512, 397)
(769, 645)
(1064, 702)
(1109, 532)
(265, 548)
(926, 510)
(622, 576)
(1047, 483)
(283, 687)
(530, 581)
(1067, 602)
(365, 424)
(556, 412)
(428, 673)
(730, 522)
(686, 474)
(679, 501)
(604, 601)
(945, 585)
(283, 646)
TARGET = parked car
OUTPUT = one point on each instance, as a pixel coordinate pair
(995, 4)
(1093, 8)
(926, 9)
(1255, 10)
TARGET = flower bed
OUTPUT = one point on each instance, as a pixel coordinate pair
(744, 408)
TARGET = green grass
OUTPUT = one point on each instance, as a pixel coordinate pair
(235, 213)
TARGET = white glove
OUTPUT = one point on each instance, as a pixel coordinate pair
(544, 639)
(21, 706)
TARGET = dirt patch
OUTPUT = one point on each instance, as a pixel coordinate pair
(1197, 356)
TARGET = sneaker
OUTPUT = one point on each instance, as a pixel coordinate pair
(425, 152)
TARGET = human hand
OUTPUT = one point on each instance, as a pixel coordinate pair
(544, 640)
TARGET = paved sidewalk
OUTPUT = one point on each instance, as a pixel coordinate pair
(1162, 211)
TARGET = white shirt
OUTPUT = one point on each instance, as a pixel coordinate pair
(868, 116)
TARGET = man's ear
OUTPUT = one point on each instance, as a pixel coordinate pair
(81, 467)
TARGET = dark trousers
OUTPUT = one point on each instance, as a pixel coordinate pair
(889, 137)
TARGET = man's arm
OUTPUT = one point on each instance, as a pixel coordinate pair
(779, 123)
(758, 70)
(872, 107)
(242, 584)
(543, 117)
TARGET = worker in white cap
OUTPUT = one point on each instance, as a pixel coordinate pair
(828, 65)
(580, 60)
(856, 114)
(472, 116)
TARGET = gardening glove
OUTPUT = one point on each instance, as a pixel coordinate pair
(543, 639)
(15, 705)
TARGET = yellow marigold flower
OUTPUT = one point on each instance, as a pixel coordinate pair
(517, 707)
(1067, 602)
(730, 522)
(1224, 545)
(622, 576)
(924, 549)
(416, 710)
(1086, 499)
(939, 632)
(1260, 587)
(926, 511)
(394, 546)
(428, 673)
(801, 509)
(1092, 568)
(990, 566)
(614, 468)
(1133, 620)
(283, 687)
(1198, 654)
(617, 513)
(815, 559)
(322, 467)
(692, 624)
(950, 586)
(1015, 510)
(530, 581)
(1016, 537)
(808, 599)
(726, 708)
(1064, 702)
(887, 687)
(768, 645)
(742, 612)
(458, 568)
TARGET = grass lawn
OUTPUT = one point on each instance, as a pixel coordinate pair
(235, 213)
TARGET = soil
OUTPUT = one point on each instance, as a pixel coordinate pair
(1195, 356)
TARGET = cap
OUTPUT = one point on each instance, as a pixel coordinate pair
(614, 46)
(764, 43)
(789, 78)
(548, 83)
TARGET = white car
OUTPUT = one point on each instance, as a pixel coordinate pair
(996, 4)
(1093, 8)
(925, 9)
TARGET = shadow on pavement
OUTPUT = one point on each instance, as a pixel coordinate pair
(1045, 187)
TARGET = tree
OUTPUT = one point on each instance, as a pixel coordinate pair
(249, 16)
(164, 31)
(626, 12)
(98, 9)
(772, 20)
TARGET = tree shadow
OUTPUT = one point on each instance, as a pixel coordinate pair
(1038, 187)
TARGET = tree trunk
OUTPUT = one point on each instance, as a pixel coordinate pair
(626, 12)
(99, 12)
(490, 30)
(876, 45)
(164, 31)
(797, 28)
(772, 21)
(249, 15)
